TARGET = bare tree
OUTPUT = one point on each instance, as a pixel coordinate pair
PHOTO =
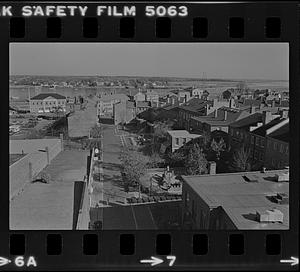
(218, 147)
(241, 160)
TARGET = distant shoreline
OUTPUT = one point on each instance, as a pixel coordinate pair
(162, 78)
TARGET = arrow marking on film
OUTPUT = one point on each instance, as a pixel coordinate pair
(153, 261)
(4, 261)
(292, 261)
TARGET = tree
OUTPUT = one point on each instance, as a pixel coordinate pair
(226, 94)
(218, 147)
(241, 160)
(206, 138)
(134, 166)
(161, 128)
(96, 132)
(175, 158)
(155, 160)
(196, 162)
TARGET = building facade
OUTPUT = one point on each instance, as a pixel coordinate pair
(47, 102)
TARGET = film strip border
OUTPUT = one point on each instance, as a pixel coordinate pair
(128, 249)
(211, 22)
(114, 249)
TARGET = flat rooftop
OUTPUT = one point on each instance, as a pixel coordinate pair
(239, 198)
(50, 206)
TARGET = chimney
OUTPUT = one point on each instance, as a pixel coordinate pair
(216, 113)
(225, 115)
(231, 103)
(252, 109)
(206, 109)
(261, 105)
(284, 114)
(215, 100)
(212, 166)
(267, 117)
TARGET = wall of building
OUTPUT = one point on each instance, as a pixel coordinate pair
(277, 154)
(28, 167)
(46, 105)
(197, 208)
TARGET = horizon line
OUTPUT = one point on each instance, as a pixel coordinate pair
(149, 76)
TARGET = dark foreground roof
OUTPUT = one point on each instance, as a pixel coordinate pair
(43, 96)
(125, 217)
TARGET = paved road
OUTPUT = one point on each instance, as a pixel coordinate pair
(110, 189)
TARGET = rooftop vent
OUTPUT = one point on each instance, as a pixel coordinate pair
(250, 178)
(282, 177)
(268, 216)
(281, 198)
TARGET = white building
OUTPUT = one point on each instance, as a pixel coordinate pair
(47, 102)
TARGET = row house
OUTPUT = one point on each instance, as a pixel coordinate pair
(199, 107)
(152, 97)
(105, 106)
(259, 146)
(254, 132)
(220, 120)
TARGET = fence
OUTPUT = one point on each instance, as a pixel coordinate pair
(84, 210)
(28, 167)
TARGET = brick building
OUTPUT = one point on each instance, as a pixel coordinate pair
(236, 201)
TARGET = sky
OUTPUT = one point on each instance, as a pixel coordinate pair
(216, 60)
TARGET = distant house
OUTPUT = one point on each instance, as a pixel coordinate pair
(152, 96)
(47, 102)
(139, 97)
(178, 138)
(124, 112)
(105, 106)
(220, 119)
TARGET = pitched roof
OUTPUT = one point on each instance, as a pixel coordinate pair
(142, 104)
(261, 131)
(195, 104)
(233, 114)
(250, 120)
(281, 134)
(43, 96)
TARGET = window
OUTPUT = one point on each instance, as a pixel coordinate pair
(287, 150)
(255, 155)
(252, 139)
(46, 103)
(184, 140)
(275, 145)
(273, 162)
(281, 148)
(261, 156)
(257, 141)
(262, 142)
(177, 141)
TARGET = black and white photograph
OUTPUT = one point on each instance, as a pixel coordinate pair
(149, 136)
